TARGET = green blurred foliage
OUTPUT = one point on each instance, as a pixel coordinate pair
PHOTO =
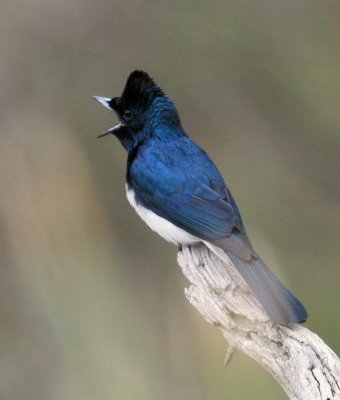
(91, 302)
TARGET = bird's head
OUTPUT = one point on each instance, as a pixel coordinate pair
(133, 106)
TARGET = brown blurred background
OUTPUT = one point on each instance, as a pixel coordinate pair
(91, 301)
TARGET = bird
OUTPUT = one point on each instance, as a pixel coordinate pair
(176, 188)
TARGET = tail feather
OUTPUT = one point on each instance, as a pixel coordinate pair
(279, 303)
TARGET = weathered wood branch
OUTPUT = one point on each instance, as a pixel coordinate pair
(305, 367)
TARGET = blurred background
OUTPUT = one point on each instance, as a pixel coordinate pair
(92, 302)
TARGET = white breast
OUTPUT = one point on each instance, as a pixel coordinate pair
(164, 228)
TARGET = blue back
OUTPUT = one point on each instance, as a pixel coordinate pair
(176, 179)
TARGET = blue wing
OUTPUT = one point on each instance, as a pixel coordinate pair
(197, 209)
(181, 184)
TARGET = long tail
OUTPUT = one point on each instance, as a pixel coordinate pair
(279, 303)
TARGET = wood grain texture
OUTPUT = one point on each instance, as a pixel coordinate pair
(305, 367)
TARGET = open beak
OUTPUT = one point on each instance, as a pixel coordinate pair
(105, 101)
(112, 130)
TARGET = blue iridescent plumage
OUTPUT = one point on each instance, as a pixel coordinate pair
(178, 191)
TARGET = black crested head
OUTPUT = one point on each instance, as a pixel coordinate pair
(140, 90)
(132, 106)
(135, 110)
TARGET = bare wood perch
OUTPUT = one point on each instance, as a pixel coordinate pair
(305, 367)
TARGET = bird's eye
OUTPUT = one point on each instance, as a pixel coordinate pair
(127, 114)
